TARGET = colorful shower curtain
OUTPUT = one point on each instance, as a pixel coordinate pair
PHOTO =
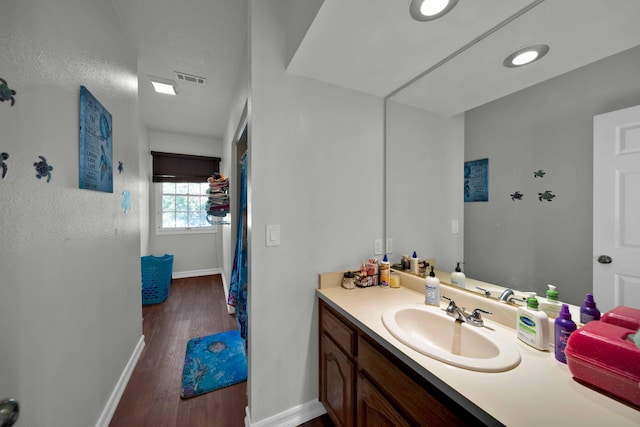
(238, 286)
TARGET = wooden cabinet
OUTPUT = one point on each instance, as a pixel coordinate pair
(337, 369)
(363, 384)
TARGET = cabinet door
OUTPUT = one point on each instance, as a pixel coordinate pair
(373, 409)
(336, 383)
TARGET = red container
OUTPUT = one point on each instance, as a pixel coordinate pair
(600, 354)
(626, 317)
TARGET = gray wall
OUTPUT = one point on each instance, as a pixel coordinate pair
(70, 309)
(424, 158)
(315, 159)
(528, 243)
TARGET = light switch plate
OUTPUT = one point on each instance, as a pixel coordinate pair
(389, 246)
(272, 235)
(377, 247)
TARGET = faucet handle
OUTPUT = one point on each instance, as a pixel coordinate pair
(486, 292)
(475, 317)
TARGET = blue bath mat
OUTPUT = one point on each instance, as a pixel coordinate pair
(213, 362)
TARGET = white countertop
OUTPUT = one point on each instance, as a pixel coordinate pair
(540, 391)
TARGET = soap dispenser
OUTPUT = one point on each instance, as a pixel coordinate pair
(415, 263)
(589, 311)
(563, 328)
(551, 306)
(533, 325)
(432, 289)
(457, 277)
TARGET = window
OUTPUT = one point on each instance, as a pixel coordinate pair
(181, 208)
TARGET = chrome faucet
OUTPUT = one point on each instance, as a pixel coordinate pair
(474, 318)
(506, 294)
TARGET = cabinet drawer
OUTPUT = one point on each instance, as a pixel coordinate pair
(338, 330)
(417, 403)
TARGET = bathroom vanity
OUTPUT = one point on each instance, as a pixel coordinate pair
(368, 377)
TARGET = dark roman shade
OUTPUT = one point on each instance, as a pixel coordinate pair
(171, 167)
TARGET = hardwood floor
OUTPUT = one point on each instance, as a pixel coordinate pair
(195, 307)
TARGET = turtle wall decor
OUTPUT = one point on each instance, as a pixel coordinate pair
(5, 168)
(539, 173)
(120, 167)
(6, 94)
(43, 169)
(517, 195)
(547, 195)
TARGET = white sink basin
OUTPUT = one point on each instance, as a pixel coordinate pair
(430, 331)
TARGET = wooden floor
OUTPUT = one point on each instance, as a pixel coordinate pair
(195, 307)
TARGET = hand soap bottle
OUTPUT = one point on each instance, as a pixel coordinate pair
(457, 277)
(551, 306)
(432, 289)
(563, 327)
(533, 325)
(415, 267)
(589, 311)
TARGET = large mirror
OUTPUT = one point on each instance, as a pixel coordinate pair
(536, 227)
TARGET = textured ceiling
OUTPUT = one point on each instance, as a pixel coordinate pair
(198, 37)
(372, 46)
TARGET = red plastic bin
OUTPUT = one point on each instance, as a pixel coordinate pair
(600, 354)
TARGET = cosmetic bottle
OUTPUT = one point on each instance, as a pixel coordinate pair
(551, 306)
(415, 267)
(589, 311)
(432, 289)
(457, 277)
(563, 327)
(385, 271)
(533, 325)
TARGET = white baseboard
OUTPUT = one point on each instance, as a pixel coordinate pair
(291, 417)
(195, 273)
(116, 394)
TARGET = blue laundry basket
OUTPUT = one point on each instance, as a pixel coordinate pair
(156, 278)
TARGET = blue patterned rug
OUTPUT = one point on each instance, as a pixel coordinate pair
(213, 362)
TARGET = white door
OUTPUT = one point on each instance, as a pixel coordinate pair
(616, 209)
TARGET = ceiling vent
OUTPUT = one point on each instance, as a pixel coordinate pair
(183, 77)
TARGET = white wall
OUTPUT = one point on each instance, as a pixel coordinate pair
(192, 253)
(424, 184)
(528, 243)
(70, 309)
(315, 159)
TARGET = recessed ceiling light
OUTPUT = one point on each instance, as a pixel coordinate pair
(428, 10)
(526, 55)
(166, 86)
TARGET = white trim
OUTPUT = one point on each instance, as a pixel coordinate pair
(230, 309)
(116, 394)
(291, 417)
(195, 273)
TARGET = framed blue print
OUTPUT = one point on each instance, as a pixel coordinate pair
(96, 144)
(476, 181)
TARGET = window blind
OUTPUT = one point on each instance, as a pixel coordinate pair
(172, 167)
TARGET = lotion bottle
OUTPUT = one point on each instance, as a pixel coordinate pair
(563, 327)
(415, 263)
(589, 311)
(432, 289)
(385, 271)
(551, 306)
(533, 325)
(457, 277)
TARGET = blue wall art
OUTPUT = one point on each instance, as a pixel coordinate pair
(5, 168)
(6, 94)
(476, 181)
(96, 145)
